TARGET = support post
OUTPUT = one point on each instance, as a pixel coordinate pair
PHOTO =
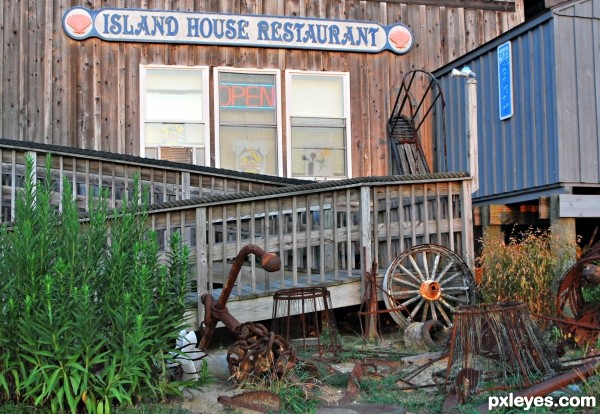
(473, 152)
(365, 248)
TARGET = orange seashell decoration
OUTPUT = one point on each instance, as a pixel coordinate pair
(79, 22)
(400, 37)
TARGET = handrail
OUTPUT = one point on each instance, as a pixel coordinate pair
(88, 171)
(326, 233)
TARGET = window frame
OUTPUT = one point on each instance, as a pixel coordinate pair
(289, 73)
(278, 116)
(205, 71)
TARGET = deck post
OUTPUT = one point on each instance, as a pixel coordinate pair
(201, 261)
(185, 185)
(365, 252)
(468, 242)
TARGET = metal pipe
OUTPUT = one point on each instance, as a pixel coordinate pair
(217, 312)
(555, 383)
(269, 261)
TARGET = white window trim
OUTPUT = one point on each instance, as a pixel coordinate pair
(205, 70)
(288, 118)
(279, 142)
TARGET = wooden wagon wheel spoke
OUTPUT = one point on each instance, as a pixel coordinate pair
(427, 281)
(425, 266)
(416, 308)
(454, 288)
(454, 298)
(443, 272)
(404, 294)
(443, 312)
(425, 311)
(408, 302)
(406, 282)
(416, 267)
(409, 274)
(436, 264)
(446, 304)
(433, 312)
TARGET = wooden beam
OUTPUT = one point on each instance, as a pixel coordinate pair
(477, 216)
(261, 309)
(579, 206)
(494, 5)
(551, 3)
(544, 206)
(501, 214)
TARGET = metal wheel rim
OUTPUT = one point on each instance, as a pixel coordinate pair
(429, 281)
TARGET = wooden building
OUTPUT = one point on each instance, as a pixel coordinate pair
(538, 121)
(226, 108)
(111, 93)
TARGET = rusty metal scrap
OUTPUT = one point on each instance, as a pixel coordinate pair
(304, 316)
(259, 401)
(258, 352)
(579, 319)
(499, 342)
(550, 385)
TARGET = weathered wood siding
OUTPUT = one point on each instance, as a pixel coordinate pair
(85, 94)
(577, 42)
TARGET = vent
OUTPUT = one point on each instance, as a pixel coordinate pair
(177, 154)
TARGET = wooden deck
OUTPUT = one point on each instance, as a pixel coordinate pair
(326, 233)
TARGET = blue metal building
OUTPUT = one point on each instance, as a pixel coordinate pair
(538, 118)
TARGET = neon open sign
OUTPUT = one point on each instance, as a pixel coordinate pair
(246, 96)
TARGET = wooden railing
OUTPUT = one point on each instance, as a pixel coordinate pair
(89, 172)
(325, 233)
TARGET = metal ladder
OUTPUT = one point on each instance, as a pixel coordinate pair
(407, 118)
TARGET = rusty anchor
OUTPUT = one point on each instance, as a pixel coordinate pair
(258, 353)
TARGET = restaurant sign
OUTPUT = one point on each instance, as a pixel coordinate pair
(159, 26)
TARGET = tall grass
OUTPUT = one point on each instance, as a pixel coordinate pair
(88, 312)
(524, 269)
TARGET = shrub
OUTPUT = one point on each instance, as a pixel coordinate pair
(524, 269)
(88, 312)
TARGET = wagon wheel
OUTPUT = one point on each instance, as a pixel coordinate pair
(569, 298)
(426, 282)
(581, 318)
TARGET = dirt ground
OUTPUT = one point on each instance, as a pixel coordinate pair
(204, 400)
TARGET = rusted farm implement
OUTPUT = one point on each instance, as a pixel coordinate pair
(579, 317)
(258, 352)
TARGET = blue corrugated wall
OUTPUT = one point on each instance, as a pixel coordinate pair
(518, 157)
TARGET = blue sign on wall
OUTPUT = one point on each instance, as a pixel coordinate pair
(505, 87)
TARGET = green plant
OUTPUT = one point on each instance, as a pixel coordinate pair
(524, 269)
(89, 315)
(292, 390)
(385, 391)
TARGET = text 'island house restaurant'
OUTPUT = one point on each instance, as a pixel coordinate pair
(292, 89)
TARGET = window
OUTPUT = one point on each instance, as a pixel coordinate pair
(248, 121)
(318, 125)
(174, 113)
